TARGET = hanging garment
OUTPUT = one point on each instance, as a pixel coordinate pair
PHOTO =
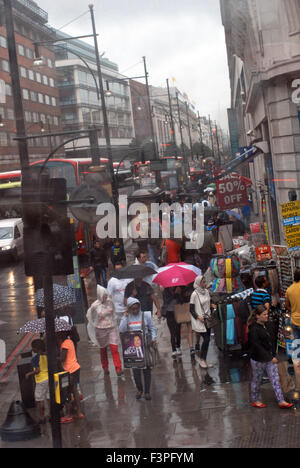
(230, 333)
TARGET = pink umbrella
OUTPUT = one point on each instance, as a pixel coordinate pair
(176, 274)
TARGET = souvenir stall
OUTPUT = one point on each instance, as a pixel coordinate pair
(232, 312)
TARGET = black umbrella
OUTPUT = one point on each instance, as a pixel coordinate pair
(134, 272)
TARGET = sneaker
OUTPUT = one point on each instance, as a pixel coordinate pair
(192, 351)
(139, 395)
(174, 354)
(197, 347)
(203, 364)
(148, 397)
(178, 352)
(120, 373)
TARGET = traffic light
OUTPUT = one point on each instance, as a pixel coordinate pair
(47, 229)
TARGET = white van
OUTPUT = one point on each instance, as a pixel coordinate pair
(11, 238)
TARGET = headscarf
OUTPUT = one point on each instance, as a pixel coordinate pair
(198, 287)
(101, 292)
(131, 301)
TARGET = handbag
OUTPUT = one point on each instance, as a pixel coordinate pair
(210, 320)
(182, 313)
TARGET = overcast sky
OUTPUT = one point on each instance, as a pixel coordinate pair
(183, 39)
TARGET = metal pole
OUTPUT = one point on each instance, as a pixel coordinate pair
(200, 131)
(52, 360)
(17, 95)
(218, 145)
(172, 120)
(189, 128)
(105, 119)
(211, 137)
(181, 137)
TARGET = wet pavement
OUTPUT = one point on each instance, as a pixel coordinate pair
(190, 407)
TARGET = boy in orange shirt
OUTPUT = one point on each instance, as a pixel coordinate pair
(70, 364)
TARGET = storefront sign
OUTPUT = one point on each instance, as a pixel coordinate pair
(291, 222)
(232, 192)
(263, 253)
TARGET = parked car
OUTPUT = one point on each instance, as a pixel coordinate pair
(11, 238)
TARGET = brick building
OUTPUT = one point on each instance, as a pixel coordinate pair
(39, 91)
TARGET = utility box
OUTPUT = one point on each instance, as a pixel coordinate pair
(27, 387)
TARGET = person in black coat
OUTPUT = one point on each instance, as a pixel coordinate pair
(263, 356)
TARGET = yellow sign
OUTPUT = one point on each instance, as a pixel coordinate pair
(291, 209)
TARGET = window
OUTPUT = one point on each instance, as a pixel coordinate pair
(53, 100)
(31, 75)
(21, 50)
(55, 120)
(10, 114)
(29, 53)
(35, 117)
(26, 94)
(28, 117)
(23, 72)
(5, 66)
(33, 96)
(50, 63)
(41, 98)
(51, 82)
(17, 234)
(3, 138)
(45, 80)
(47, 100)
(3, 42)
(292, 8)
(38, 77)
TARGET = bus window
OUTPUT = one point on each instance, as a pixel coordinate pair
(61, 169)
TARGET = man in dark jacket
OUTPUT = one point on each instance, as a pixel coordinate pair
(99, 262)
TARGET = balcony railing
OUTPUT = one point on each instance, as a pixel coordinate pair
(33, 8)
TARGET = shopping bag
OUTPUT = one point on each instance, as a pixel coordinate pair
(286, 381)
(182, 313)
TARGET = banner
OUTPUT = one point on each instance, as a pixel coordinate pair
(263, 253)
(232, 192)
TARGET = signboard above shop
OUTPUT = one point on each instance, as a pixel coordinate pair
(232, 192)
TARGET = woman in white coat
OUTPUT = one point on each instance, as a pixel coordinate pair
(200, 307)
(103, 329)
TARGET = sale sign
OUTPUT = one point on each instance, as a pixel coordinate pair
(232, 192)
(263, 253)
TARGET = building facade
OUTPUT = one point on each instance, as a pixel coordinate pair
(263, 45)
(81, 105)
(39, 91)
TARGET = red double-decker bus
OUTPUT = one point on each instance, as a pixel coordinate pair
(75, 171)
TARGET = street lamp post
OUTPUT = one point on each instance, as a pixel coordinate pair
(104, 111)
(26, 198)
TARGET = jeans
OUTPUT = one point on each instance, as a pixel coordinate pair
(175, 330)
(205, 344)
(137, 375)
(101, 276)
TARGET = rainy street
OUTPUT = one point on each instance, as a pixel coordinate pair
(191, 407)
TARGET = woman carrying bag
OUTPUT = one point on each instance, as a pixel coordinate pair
(200, 309)
(263, 356)
(136, 320)
(103, 330)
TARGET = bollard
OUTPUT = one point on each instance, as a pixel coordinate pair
(19, 425)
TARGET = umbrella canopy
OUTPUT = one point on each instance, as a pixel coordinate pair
(62, 296)
(235, 214)
(39, 326)
(134, 272)
(176, 274)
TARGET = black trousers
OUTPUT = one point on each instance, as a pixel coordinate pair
(137, 375)
(205, 344)
(175, 330)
